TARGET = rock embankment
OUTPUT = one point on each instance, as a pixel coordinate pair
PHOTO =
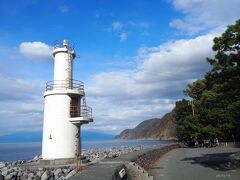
(32, 170)
(16, 171)
(114, 152)
(146, 160)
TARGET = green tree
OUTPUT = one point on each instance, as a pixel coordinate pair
(217, 96)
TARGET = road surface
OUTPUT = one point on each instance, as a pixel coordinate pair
(197, 164)
(105, 169)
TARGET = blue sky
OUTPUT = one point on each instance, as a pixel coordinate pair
(135, 57)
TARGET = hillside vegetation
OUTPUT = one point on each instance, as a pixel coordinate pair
(156, 128)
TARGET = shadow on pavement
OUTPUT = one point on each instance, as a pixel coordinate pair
(217, 161)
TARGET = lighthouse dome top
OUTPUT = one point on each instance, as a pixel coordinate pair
(63, 47)
(65, 43)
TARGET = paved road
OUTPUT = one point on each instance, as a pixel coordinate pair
(104, 170)
(197, 164)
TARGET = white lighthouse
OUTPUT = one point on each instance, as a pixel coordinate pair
(65, 110)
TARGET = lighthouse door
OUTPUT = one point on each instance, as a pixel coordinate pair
(74, 107)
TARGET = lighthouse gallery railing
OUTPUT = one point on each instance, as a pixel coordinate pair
(64, 84)
(83, 111)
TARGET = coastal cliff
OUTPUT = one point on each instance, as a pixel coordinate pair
(157, 128)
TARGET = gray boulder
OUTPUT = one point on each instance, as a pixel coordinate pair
(30, 175)
(14, 173)
(8, 177)
(57, 172)
(23, 161)
(61, 178)
(66, 171)
(14, 163)
(15, 168)
(47, 175)
(1, 177)
(2, 164)
(24, 176)
(19, 173)
(36, 158)
(5, 172)
(40, 173)
(4, 169)
(72, 173)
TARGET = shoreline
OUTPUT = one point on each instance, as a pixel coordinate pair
(26, 151)
(136, 161)
(31, 169)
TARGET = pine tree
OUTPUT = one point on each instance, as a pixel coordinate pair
(217, 96)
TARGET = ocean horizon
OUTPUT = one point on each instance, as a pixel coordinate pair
(28, 150)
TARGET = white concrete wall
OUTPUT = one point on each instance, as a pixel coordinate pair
(62, 66)
(56, 114)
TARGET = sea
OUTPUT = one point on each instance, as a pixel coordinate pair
(26, 151)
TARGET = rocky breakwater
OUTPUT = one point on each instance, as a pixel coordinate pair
(20, 170)
(32, 170)
(93, 154)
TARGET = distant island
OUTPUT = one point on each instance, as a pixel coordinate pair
(156, 128)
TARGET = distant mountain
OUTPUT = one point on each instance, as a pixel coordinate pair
(21, 137)
(37, 137)
(156, 128)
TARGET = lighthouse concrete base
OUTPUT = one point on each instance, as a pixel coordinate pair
(64, 161)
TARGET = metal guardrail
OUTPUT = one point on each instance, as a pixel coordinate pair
(86, 111)
(64, 84)
(83, 111)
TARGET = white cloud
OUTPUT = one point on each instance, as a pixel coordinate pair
(182, 25)
(123, 37)
(122, 99)
(21, 105)
(204, 14)
(36, 50)
(113, 115)
(175, 60)
(117, 26)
